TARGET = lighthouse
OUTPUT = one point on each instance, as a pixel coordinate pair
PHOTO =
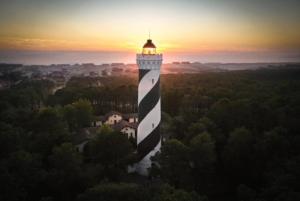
(149, 106)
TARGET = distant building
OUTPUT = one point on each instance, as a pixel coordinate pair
(113, 117)
(93, 74)
(4, 84)
(117, 70)
(125, 127)
(131, 118)
(124, 123)
(185, 62)
(117, 64)
(98, 121)
(57, 77)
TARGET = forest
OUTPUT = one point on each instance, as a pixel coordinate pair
(226, 136)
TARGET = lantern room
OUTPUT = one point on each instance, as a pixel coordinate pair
(149, 48)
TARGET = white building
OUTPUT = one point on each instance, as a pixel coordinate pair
(127, 128)
(113, 117)
(124, 123)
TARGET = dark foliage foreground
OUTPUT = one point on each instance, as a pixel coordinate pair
(228, 136)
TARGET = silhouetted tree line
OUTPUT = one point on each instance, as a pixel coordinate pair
(227, 136)
(112, 93)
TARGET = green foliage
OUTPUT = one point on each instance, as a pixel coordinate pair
(131, 191)
(114, 93)
(203, 153)
(189, 167)
(203, 159)
(104, 130)
(174, 163)
(84, 110)
(78, 114)
(20, 175)
(19, 102)
(230, 136)
(66, 158)
(112, 192)
(202, 125)
(169, 193)
(49, 130)
(65, 178)
(245, 193)
(238, 156)
(178, 127)
(10, 139)
(111, 150)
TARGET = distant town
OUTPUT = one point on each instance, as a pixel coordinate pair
(61, 73)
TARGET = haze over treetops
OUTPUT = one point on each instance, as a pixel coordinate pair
(191, 27)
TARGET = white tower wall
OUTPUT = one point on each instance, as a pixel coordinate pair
(148, 135)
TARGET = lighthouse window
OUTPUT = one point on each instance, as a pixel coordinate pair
(152, 81)
(152, 125)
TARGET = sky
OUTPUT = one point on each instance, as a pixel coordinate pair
(193, 27)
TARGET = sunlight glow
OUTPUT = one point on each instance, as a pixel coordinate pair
(176, 26)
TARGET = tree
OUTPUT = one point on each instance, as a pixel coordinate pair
(21, 175)
(174, 163)
(177, 127)
(172, 101)
(131, 191)
(203, 157)
(204, 124)
(113, 192)
(244, 193)
(10, 139)
(169, 193)
(220, 114)
(275, 145)
(238, 156)
(104, 130)
(65, 177)
(165, 126)
(84, 112)
(49, 130)
(112, 150)
(78, 114)
(70, 115)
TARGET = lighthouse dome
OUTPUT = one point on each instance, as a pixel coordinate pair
(149, 44)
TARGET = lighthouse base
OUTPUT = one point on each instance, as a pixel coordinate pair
(142, 167)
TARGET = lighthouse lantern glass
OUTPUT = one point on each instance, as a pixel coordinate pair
(149, 50)
(149, 47)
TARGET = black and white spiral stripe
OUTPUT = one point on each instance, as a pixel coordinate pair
(148, 139)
